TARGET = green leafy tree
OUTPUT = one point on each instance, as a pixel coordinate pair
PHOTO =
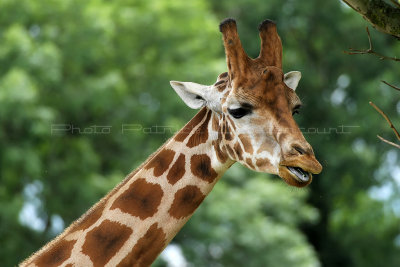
(67, 66)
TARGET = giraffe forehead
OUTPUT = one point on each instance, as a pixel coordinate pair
(259, 75)
(262, 92)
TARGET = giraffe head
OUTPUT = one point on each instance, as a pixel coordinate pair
(254, 104)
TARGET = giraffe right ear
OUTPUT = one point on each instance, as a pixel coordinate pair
(292, 79)
(193, 94)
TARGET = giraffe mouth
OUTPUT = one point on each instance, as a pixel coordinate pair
(299, 174)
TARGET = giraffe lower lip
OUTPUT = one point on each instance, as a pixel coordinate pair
(301, 174)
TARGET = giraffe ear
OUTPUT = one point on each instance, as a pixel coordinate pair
(292, 79)
(193, 94)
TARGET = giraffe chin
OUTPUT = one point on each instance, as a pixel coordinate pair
(295, 176)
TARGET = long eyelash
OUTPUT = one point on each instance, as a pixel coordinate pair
(296, 109)
(246, 106)
(298, 106)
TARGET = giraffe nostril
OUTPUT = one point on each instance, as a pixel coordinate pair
(299, 149)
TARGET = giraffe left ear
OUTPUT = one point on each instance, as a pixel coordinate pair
(292, 79)
(193, 94)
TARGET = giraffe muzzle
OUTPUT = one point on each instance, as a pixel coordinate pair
(298, 170)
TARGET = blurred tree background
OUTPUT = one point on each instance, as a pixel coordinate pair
(83, 65)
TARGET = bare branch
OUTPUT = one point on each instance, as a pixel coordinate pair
(387, 119)
(370, 50)
(383, 16)
(389, 122)
(391, 85)
(388, 142)
(395, 3)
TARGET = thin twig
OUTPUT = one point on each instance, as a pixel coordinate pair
(386, 118)
(389, 122)
(391, 85)
(370, 50)
(395, 3)
(388, 142)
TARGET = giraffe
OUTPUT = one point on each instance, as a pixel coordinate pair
(246, 116)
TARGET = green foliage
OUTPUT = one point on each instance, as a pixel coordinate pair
(258, 219)
(86, 64)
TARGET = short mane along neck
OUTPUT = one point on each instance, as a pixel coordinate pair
(133, 223)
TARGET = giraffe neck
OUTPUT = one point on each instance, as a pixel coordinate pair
(133, 223)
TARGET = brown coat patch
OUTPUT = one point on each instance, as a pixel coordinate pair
(141, 199)
(177, 170)
(161, 162)
(282, 137)
(238, 151)
(221, 87)
(90, 217)
(262, 163)
(222, 157)
(186, 201)
(230, 152)
(223, 75)
(56, 254)
(104, 241)
(250, 163)
(201, 167)
(228, 135)
(268, 145)
(201, 134)
(181, 136)
(219, 139)
(232, 123)
(146, 249)
(246, 143)
(223, 128)
(215, 123)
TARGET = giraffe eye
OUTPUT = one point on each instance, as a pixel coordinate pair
(296, 110)
(237, 113)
